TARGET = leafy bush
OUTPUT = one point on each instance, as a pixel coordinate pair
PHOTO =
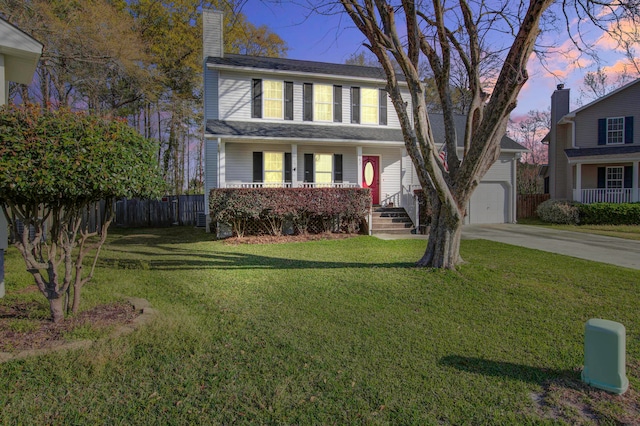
(558, 211)
(609, 214)
(272, 207)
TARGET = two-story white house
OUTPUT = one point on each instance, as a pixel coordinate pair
(273, 122)
(593, 151)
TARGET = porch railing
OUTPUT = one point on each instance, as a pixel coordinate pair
(289, 185)
(621, 195)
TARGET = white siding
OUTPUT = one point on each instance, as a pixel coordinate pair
(501, 169)
(235, 97)
(390, 174)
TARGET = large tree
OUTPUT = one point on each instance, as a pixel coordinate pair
(446, 33)
(54, 165)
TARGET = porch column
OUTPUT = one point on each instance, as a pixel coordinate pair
(634, 186)
(359, 165)
(222, 164)
(294, 165)
(578, 197)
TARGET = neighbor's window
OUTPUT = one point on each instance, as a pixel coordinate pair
(615, 130)
(273, 168)
(323, 169)
(369, 106)
(272, 99)
(615, 177)
(322, 102)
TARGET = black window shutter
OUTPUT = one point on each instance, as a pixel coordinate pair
(337, 104)
(288, 100)
(287, 167)
(337, 168)
(355, 105)
(257, 166)
(307, 94)
(382, 107)
(628, 129)
(256, 98)
(308, 167)
(602, 132)
(628, 176)
(602, 172)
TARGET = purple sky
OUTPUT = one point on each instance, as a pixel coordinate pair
(333, 38)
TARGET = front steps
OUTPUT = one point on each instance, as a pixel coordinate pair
(390, 220)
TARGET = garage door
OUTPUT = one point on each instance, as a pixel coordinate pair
(489, 203)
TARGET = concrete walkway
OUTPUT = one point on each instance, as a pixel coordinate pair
(615, 251)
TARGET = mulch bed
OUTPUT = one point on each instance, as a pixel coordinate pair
(271, 239)
(45, 334)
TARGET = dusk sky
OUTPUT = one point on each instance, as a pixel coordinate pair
(310, 36)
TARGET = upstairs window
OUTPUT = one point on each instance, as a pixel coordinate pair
(272, 93)
(322, 102)
(369, 106)
(615, 130)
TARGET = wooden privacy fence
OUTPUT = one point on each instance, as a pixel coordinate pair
(168, 211)
(528, 203)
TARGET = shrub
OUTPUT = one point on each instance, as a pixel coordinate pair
(558, 211)
(326, 209)
(609, 214)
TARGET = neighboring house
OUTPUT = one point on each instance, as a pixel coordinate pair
(594, 151)
(19, 56)
(273, 122)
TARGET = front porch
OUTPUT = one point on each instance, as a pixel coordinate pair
(600, 182)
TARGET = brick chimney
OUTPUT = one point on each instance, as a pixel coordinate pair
(212, 38)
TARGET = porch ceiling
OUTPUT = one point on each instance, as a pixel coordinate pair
(624, 153)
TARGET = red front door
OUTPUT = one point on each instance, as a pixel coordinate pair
(371, 176)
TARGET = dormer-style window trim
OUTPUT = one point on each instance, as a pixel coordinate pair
(615, 130)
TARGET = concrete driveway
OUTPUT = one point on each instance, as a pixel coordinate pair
(616, 251)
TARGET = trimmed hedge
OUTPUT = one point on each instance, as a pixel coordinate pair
(609, 214)
(270, 208)
(558, 211)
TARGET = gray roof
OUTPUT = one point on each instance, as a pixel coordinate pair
(301, 131)
(604, 150)
(298, 66)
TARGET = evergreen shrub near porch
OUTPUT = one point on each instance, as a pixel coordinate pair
(308, 210)
(609, 214)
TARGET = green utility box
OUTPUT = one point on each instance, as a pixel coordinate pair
(604, 356)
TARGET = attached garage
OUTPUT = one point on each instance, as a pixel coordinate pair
(490, 203)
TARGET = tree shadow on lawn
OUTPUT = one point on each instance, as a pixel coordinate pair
(562, 396)
(510, 370)
(227, 260)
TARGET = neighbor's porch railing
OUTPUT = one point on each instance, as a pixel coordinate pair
(289, 185)
(589, 196)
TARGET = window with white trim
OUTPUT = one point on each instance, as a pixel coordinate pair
(368, 106)
(272, 99)
(273, 168)
(615, 131)
(323, 169)
(615, 177)
(322, 102)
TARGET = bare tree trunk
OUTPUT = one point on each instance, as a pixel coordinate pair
(443, 246)
(57, 309)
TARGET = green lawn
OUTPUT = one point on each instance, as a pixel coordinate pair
(329, 332)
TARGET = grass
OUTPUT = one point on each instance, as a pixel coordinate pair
(629, 232)
(328, 332)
